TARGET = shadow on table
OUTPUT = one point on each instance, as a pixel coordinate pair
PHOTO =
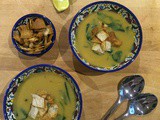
(49, 57)
(72, 2)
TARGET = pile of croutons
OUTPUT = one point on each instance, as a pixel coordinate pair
(34, 37)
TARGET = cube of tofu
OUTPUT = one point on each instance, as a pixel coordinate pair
(37, 101)
(97, 48)
(33, 112)
(102, 36)
(106, 46)
(42, 111)
(53, 111)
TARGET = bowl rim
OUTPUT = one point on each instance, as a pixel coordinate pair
(128, 10)
(42, 65)
(33, 15)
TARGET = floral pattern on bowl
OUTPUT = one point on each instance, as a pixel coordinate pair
(114, 7)
(18, 80)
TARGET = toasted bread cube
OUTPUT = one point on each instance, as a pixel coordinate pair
(37, 24)
(33, 112)
(42, 111)
(96, 40)
(37, 101)
(33, 39)
(95, 31)
(16, 36)
(102, 36)
(26, 34)
(106, 46)
(117, 43)
(97, 48)
(50, 29)
(53, 111)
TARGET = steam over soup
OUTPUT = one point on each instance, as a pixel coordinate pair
(44, 96)
(104, 38)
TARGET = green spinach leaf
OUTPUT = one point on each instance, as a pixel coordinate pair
(117, 56)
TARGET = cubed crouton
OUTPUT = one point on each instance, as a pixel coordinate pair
(38, 23)
(42, 111)
(53, 111)
(97, 48)
(102, 36)
(106, 46)
(96, 40)
(33, 112)
(117, 43)
(37, 101)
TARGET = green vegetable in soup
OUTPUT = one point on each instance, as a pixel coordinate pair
(113, 23)
(128, 28)
(62, 105)
(117, 56)
(66, 88)
(87, 27)
(88, 32)
(116, 26)
(60, 117)
(15, 113)
(88, 36)
(104, 18)
(24, 113)
(64, 97)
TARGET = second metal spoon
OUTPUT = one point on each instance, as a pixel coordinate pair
(128, 88)
(141, 105)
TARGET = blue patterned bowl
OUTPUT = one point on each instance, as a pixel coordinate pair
(117, 8)
(22, 21)
(18, 80)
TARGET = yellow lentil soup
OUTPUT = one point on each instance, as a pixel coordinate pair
(54, 85)
(104, 39)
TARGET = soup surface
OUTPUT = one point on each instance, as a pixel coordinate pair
(53, 84)
(92, 29)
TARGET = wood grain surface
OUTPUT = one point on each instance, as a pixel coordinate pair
(99, 90)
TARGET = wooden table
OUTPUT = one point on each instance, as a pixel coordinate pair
(99, 90)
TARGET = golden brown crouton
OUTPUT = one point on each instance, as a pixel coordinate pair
(96, 40)
(26, 34)
(94, 31)
(16, 36)
(38, 23)
(117, 43)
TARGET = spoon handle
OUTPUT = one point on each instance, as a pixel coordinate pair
(123, 116)
(111, 110)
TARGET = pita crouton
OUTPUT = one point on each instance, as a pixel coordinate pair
(38, 23)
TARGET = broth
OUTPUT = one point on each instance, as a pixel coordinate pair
(83, 45)
(52, 83)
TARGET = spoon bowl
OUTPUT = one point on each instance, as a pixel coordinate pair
(131, 86)
(128, 88)
(141, 105)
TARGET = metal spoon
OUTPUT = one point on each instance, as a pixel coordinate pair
(129, 88)
(141, 105)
